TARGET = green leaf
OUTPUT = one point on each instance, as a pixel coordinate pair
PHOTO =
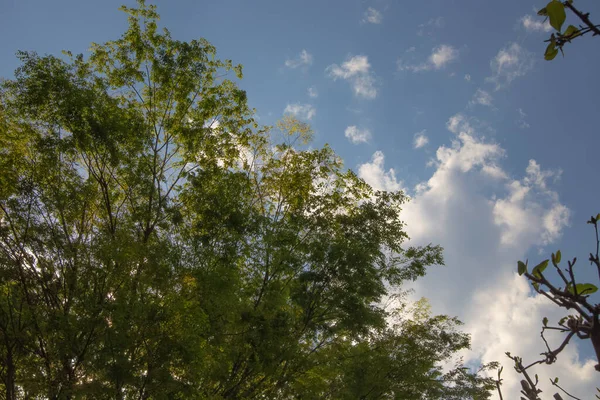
(543, 12)
(545, 321)
(558, 257)
(551, 51)
(556, 380)
(536, 286)
(521, 267)
(556, 13)
(583, 289)
(562, 320)
(597, 217)
(571, 32)
(538, 269)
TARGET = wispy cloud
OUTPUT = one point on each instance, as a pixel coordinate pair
(467, 77)
(304, 59)
(355, 70)
(372, 16)
(535, 25)
(510, 63)
(481, 97)
(312, 92)
(521, 122)
(428, 28)
(357, 135)
(420, 139)
(439, 58)
(302, 111)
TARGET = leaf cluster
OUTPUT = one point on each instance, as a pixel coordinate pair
(157, 243)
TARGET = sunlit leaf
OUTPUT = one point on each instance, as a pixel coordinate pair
(556, 12)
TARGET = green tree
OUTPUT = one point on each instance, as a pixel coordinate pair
(155, 242)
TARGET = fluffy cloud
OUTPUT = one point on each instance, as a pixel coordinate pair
(303, 59)
(357, 71)
(467, 77)
(510, 63)
(530, 212)
(487, 220)
(302, 111)
(535, 25)
(372, 16)
(312, 92)
(420, 139)
(510, 320)
(357, 135)
(439, 58)
(481, 97)
(375, 174)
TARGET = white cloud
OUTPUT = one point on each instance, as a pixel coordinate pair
(442, 55)
(535, 25)
(303, 59)
(481, 97)
(439, 58)
(510, 63)
(531, 212)
(374, 174)
(357, 135)
(486, 220)
(512, 322)
(312, 92)
(420, 139)
(356, 70)
(372, 16)
(302, 111)
(467, 77)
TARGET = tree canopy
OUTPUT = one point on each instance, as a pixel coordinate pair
(157, 243)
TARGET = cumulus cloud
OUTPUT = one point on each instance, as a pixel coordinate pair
(374, 173)
(312, 92)
(302, 111)
(486, 220)
(512, 322)
(530, 212)
(357, 135)
(304, 59)
(510, 63)
(372, 16)
(357, 71)
(481, 97)
(440, 57)
(420, 139)
(535, 25)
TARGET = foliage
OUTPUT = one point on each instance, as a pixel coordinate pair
(156, 243)
(556, 14)
(583, 323)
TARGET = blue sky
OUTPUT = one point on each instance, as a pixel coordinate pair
(464, 80)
